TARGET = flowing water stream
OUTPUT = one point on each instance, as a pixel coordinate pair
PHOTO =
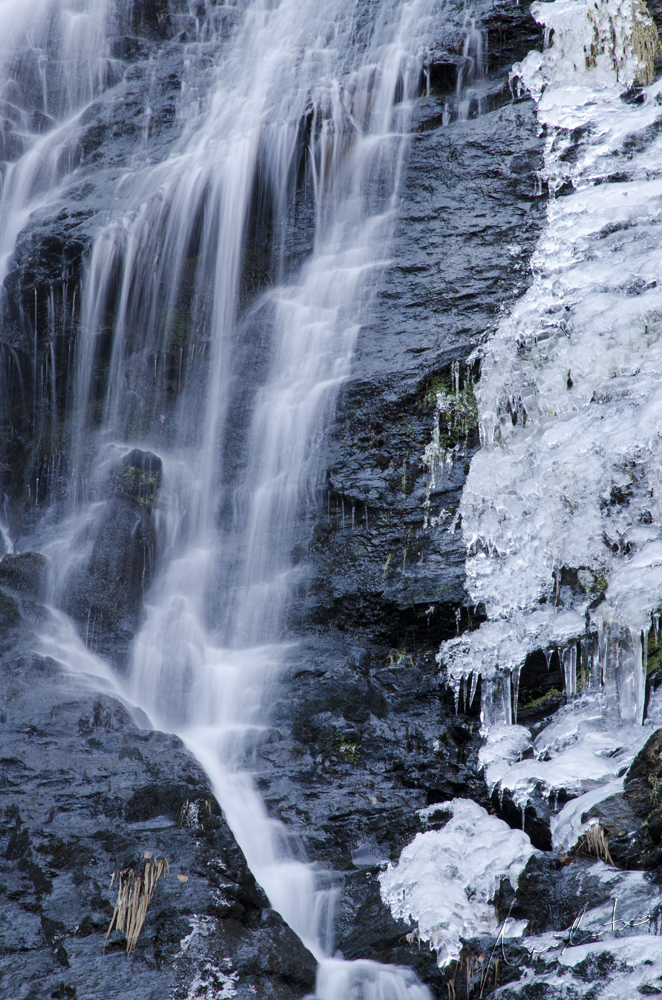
(283, 104)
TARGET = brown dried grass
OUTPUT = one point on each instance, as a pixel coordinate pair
(135, 890)
(595, 842)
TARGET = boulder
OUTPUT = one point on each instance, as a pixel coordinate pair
(104, 591)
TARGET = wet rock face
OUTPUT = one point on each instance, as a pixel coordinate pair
(471, 213)
(85, 792)
(105, 594)
(643, 799)
(25, 572)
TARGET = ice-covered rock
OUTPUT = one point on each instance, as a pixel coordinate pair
(562, 502)
(446, 879)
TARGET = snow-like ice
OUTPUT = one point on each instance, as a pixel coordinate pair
(445, 879)
(562, 510)
(566, 484)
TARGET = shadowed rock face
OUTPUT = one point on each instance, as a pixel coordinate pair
(632, 820)
(25, 572)
(105, 594)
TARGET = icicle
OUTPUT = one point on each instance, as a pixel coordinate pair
(610, 670)
(502, 704)
(523, 811)
(569, 661)
(486, 702)
(596, 668)
(353, 512)
(638, 677)
(583, 679)
(549, 653)
(514, 682)
(645, 652)
(656, 626)
(474, 683)
(455, 686)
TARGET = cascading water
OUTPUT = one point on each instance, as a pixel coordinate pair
(55, 57)
(220, 411)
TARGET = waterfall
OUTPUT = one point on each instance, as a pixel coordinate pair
(55, 58)
(208, 355)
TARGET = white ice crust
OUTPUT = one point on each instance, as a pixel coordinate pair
(445, 879)
(567, 483)
(568, 477)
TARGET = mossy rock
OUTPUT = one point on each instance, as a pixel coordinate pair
(138, 478)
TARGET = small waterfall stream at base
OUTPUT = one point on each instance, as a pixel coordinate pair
(218, 415)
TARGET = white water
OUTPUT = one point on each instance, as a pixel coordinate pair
(55, 59)
(206, 674)
(277, 91)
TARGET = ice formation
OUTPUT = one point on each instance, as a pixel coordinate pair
(562, 509)
(562, 502)
(445, 879)
(615, 945)
(577, 752)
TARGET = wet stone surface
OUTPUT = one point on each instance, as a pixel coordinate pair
(86, 791)
(469, 219)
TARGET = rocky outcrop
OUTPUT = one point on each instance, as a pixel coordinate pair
(104, 592)
(87, 790)
(632, 820)
(472, 211)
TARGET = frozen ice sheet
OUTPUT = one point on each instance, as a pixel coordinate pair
(445, 879)
(563, 502)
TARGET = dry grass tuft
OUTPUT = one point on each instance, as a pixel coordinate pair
(134, 893)
(595, 843)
